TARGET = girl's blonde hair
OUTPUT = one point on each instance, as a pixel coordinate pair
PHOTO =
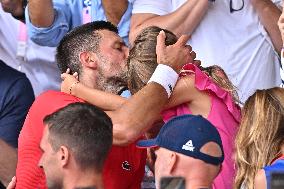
(142, 62)
(260, 135)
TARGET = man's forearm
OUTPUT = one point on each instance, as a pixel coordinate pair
(137, 115)
(114, 10)
(269, 14)
(182, 21)
(41, 12)
(8, 162)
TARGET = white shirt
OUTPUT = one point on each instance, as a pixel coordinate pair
(235, 41)
(38, 63)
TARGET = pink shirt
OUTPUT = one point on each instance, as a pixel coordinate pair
(224, 115)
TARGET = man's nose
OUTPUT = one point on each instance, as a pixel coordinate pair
(40, 163)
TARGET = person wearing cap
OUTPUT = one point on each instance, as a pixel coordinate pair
(188, 146)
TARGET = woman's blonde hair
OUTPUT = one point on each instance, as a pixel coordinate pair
(260, 135)
(142, 62)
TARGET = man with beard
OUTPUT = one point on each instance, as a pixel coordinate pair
(98, 55)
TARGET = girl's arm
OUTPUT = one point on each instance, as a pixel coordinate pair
(184, 91)
(104, 100)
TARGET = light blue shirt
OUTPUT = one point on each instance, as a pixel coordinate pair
(69, 14)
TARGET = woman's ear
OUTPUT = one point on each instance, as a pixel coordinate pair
(88, 59)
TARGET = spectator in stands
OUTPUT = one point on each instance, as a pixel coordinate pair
(16, 97)
(259, 142)
(281, 28)
(246, 30)
(188, 146)
(75, 144)
(19, 52)
(99, 55)
(50, 20)
(199, 91)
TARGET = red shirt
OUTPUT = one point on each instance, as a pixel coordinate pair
(124, 167)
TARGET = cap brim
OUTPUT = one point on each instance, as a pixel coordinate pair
(147, 143)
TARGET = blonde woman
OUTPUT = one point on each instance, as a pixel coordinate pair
(259, 141)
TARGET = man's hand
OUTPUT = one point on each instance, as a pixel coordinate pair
(13, 6)
(12, 184)
(175, 55)
(281, 25)
(269, 14)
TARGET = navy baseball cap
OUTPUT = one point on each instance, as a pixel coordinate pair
(187, 134)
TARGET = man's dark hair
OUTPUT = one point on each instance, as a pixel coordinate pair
(80, 39)
(85, 130)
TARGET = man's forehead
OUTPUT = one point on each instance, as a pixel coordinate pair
(44, 136)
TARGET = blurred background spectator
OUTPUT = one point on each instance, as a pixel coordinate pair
(259, 141)
(19, 52)
(48, 21)
(16, 97)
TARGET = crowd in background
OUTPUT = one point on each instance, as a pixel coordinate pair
(120, 94)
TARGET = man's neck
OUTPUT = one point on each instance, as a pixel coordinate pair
(114, 10)
(197, 184)
(83, 180)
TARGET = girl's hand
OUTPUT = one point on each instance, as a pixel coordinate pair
(69, 82)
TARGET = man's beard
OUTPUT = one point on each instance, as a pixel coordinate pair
(114, 84)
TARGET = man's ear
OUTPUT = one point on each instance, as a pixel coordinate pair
(88, 59)
(64, 156)
(172, 162)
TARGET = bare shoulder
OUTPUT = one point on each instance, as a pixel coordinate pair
(188, 80)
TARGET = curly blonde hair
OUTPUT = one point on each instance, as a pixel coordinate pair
(260, 135)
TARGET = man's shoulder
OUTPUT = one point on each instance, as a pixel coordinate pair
(45, 104)
(56, 97)
(50, 101)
